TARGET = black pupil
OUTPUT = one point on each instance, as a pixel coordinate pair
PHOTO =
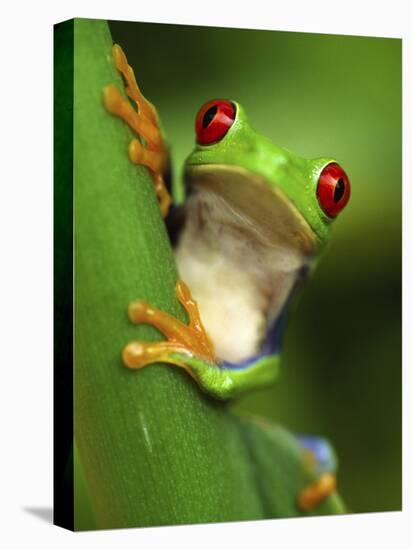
(208, 116)
(339, 190)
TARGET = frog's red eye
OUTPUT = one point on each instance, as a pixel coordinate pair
(214, 120)
(333, 190)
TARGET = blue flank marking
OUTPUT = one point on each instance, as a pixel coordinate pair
(322, 450)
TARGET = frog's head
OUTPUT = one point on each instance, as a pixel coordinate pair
(286, 197)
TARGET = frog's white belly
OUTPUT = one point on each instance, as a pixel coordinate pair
(230, 305)
(239, 282)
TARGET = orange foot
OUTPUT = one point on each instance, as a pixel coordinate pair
(145, 124)
(313, 494)
(183, 341)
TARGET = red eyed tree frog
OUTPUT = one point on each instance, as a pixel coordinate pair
(255, 219)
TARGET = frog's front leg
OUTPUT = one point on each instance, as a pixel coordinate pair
(144, 122)
(182, 340)
(189, 347)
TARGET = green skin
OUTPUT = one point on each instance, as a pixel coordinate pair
(279, 170)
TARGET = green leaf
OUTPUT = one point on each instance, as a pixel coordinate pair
(152, 448)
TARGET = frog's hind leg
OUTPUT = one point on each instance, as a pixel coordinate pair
(316, 492)
(320, 457)
(150, 149)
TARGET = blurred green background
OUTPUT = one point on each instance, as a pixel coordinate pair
(318, 95)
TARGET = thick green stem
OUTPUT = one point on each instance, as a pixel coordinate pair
(154, 449)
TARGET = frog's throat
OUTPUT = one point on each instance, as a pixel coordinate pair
(265, 206)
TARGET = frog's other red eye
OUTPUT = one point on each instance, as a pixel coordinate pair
(333, 189)
(214, 120)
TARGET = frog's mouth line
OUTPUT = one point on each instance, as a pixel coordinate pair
(243, 251)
